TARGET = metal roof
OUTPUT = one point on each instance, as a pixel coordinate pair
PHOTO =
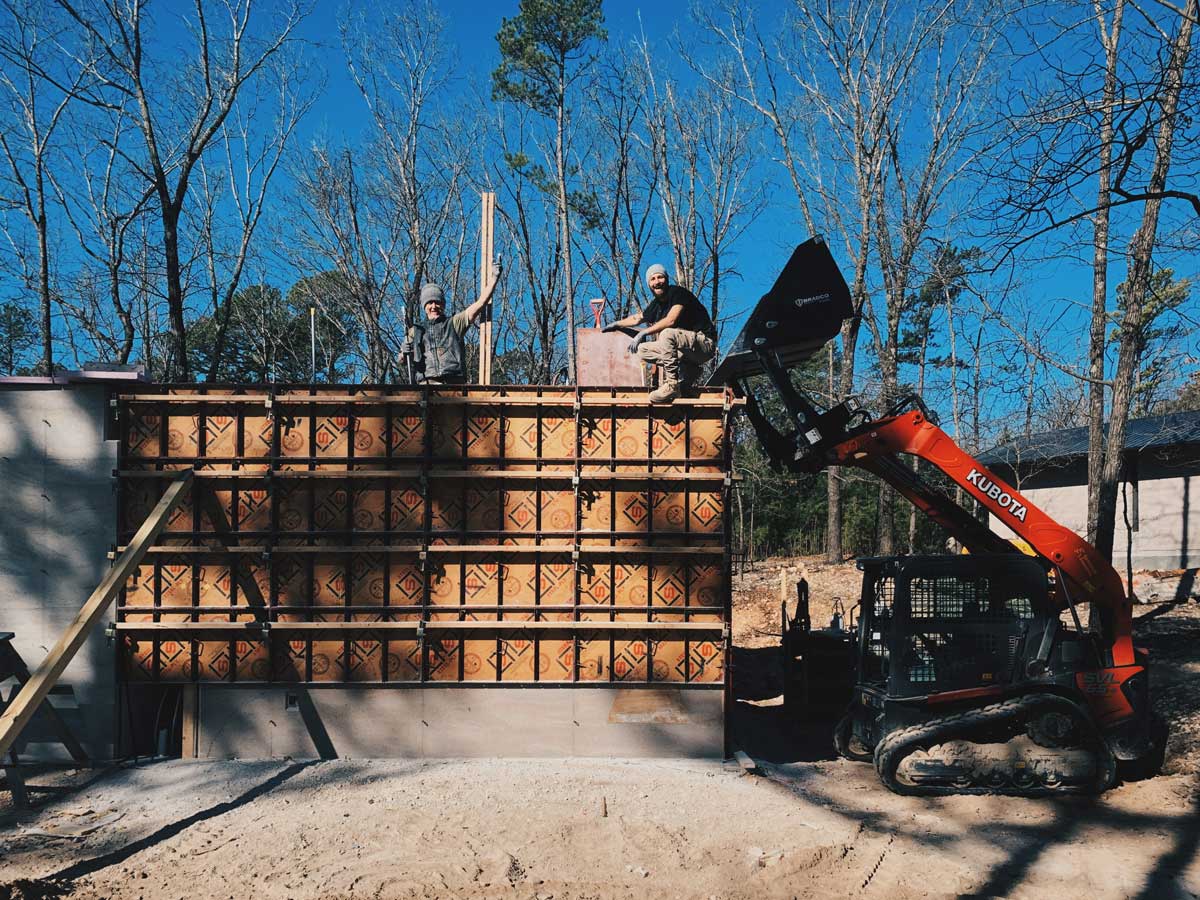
(1150, 433)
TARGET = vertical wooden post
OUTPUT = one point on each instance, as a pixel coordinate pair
(486, 226)
(191, 722)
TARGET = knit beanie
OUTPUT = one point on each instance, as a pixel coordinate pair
(656, 269)
(432, 292)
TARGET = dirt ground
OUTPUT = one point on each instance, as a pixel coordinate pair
(807, 825)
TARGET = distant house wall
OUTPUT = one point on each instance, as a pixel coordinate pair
(57, 512)
(1167, 534)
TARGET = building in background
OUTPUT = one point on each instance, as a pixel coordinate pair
(1158, 509)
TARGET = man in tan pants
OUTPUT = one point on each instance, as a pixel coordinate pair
(684, 338)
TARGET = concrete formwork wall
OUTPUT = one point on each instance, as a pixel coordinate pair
(548, 537)
(56, 529)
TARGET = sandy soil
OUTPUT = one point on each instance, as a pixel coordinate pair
(807, 825)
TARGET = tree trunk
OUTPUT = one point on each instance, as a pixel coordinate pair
(182, 370)
(833, 488)
(1137, 284)
(1097, 337)
(887, 494)
(565, 241)
(124, 314)
(850, 329)
(44, 274)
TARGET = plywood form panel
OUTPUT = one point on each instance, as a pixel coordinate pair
(474, 473)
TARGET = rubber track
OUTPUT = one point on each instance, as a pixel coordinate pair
(892, 750)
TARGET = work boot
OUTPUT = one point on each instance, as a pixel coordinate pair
(666, 393)
(668, 387)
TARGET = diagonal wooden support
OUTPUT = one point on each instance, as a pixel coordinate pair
(34, 691)
(207, 500)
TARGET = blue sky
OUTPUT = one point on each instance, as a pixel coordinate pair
(1057, 286)
(472, 28)
(1056, 283)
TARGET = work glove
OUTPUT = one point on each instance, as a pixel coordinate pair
(406, 349)
(637, 342)
(609, 329)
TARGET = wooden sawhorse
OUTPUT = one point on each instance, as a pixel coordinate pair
(12, 666)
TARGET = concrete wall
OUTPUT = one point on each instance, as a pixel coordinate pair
(324, 722)
(57, 516)
(1168, 533)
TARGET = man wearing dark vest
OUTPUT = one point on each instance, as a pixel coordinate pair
(684, 338)
(439, 355)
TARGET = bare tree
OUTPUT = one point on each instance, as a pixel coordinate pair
(401, 64)
(1111, 129)
(252, 154)
(703, 149)
(836, 89)
(530, 232)
(180, 106)
(103, 198)
(1138, 303)
(620, 183)
(340, 227)
(33, 109)
(936, 74)
(772, 84)
(544, 53)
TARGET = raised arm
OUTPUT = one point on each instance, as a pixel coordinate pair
(473, 311)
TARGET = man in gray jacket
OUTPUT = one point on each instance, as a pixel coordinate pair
(439, 354)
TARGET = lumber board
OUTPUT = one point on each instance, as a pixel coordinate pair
(416, 472)
(191, 722)
(228, 630)
(435, 549)
(715, 401)
(35, 690)
(486, 258)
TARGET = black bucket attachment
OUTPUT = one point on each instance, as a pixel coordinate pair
(795, 319)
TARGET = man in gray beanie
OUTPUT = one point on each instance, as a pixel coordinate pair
(679, 337)
(439, 355)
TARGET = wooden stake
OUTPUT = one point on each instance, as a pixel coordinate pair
(34, 691)
(191, 722)
(486, 227)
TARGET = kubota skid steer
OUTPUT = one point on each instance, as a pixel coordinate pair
(969, 676)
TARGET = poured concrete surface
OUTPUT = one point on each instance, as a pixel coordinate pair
(57, 516)
(436, 721)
